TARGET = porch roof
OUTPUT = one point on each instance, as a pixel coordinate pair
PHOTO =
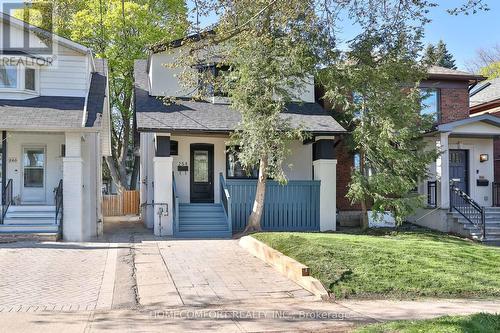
(484, 125)
(187, 115)
(58, 112)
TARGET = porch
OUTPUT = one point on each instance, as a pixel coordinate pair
(34, 167)
(460, 189)
(212, 197)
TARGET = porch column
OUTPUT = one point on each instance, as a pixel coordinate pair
(444, 170)
(325, 170)
(73, 188)
(163, 201)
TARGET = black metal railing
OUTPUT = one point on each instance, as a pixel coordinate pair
(58, 198)
(496, 194)
(175, 198)
(432, 194)
(7, 198)
(468, 208)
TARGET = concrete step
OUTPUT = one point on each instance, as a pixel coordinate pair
(29, 236)
(207, 227)
(36, 208)
(28, 221)
(31, 214)
(203, 234)
(29, 228)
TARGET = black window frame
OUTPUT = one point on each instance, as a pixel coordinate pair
(26, 71)
(249, 177)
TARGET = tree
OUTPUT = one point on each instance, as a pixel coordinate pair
(439, 55)
(120, 32)
(486, 62)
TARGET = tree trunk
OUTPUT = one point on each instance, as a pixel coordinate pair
(115, 175)
(260, 195)
(135, 173)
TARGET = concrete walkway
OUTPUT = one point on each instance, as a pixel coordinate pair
(131, 281)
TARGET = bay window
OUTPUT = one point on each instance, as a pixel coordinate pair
(17, 78)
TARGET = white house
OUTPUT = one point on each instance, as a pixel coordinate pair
(192, 187)
(55, 124)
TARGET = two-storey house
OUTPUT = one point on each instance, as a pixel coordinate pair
(55, 128)
(191, 186)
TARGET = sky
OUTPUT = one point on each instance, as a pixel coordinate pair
(463, 34)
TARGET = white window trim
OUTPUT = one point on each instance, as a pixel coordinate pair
(21, 88)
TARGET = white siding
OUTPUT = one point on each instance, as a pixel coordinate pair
(69, 76)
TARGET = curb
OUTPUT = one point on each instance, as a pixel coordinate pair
(291, 268)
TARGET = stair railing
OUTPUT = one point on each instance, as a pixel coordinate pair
(432, 194)
(175, 198)
(496, 194)
(225, 199)
(7, 199)
(468, 208)
(58, 199)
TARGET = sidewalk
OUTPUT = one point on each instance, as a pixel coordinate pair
(291, 316)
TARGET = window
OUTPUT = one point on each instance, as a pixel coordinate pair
(8, 77)
(234, 169)
(29, 79)
(430, 102)
(174, 147)
(210, 79)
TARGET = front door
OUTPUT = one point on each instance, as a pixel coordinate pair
(33, 175)
(202, 173)
(459, 169)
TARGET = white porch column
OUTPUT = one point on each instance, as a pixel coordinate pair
(445, 170)
(326, 171)
(163, 221)
(73, 188)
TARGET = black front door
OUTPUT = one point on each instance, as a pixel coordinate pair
(459, 169)
(202, 173)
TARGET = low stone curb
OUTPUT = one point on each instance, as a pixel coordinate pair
(291, 268)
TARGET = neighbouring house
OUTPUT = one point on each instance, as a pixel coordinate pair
(192, 187)
(485, 99)
(55, 128)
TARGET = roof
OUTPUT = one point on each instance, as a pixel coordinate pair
(485, 92)
(163, 46)
(62, 40)
(187, 115)
(58, 112)
(486, 118)
(438, 72)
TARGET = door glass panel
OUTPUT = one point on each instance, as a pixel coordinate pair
(33, 163)
(200, 167)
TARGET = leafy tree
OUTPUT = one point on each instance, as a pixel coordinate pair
(491, 71)
(120, 32)
(439, 55)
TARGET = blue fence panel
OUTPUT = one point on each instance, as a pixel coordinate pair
(291, 207)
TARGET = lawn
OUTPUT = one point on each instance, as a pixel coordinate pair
(394, 264)
(477, 323)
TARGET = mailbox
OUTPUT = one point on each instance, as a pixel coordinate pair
(483, 182)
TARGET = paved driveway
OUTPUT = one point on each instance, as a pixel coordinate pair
(201, 272)
(51, 276)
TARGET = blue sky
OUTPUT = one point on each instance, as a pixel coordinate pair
(463, 34)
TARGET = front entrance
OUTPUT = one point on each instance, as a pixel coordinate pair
(459, 169)
(202, 173)
(33, 175)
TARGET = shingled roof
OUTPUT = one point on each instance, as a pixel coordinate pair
(58, 112)
(485, 92)
(187, 115)
(438, 72)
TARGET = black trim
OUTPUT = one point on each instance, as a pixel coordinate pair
(324, 149)
(174, 148)
(202, 192)
(162, 146)
(4, 162)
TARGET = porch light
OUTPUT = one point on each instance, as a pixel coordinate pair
(483, 158)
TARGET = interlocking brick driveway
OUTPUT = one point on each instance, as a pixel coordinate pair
(51, 276)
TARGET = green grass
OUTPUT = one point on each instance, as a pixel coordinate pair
(478, 323)
(394, 264)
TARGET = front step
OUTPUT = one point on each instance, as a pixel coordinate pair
(202, 221)
(30, 220)
(492, 221)
(29, 228)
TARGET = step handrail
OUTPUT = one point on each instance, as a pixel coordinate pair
(58, 198)
(7, 198)
(225, 199)
(468, 208)
(175, 198)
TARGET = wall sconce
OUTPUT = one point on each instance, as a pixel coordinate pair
(483, 158)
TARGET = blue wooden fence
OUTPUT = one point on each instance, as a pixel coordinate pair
(291, 207)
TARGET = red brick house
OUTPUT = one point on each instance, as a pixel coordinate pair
(466, 144)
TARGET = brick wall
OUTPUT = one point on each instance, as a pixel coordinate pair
(345, 164)
(454, 104)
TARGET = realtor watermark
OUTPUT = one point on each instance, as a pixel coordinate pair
(22, 41)
(200, 314)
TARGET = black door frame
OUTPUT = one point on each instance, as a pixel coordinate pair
(467, 168)
(210, 193)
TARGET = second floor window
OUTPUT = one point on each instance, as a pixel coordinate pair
(8, 76)
(430, 102)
